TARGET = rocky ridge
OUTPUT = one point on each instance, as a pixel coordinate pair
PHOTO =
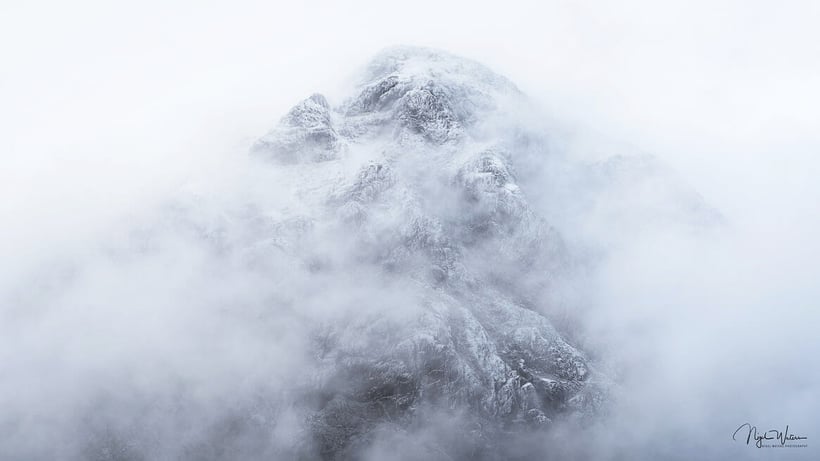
(432, 201)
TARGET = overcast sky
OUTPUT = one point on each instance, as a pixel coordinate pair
(106, 107)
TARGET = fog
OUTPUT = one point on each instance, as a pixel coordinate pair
(122, 125)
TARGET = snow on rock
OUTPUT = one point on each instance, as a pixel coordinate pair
(305, 134)
(427, 203)
(423, 198)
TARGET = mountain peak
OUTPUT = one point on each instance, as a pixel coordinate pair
(414, 95)
(422, 63)
(424, 194)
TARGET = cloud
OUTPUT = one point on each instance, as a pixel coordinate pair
(112, 114)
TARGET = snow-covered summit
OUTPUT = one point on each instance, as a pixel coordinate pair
(405, 177)
(413, 95)
(421, 64)
(411, 182)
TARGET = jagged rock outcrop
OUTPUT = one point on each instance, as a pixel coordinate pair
(391, 275)
(431, 205)
(306, 133)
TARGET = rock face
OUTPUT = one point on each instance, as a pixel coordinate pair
(424, 197)
(306, 133)
(391, 276)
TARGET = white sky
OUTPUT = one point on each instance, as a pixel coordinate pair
(106, 106)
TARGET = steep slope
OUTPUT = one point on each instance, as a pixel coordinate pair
(422, 195)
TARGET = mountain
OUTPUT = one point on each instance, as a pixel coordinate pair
(415, 172)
